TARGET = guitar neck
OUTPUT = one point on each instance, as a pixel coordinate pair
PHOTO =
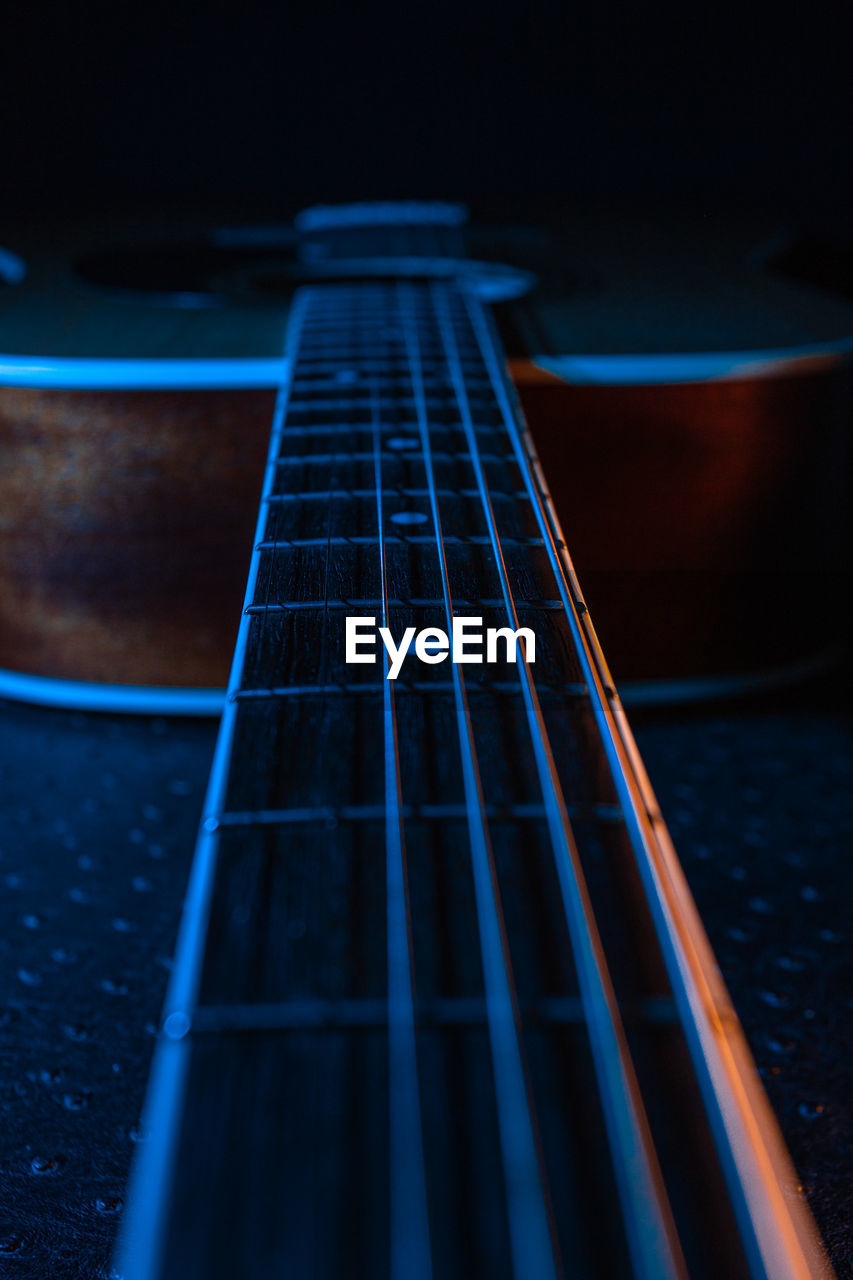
(441, 1005)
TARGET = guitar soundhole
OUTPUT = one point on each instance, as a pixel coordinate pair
(823, 263)
(189, 274)
(209, 273)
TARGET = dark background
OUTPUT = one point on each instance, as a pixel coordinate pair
(267, 107)
(247, 110)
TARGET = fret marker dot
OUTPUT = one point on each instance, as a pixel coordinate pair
(403, 442)
(408, 517)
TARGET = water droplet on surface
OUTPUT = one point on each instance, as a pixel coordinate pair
(775, 1000)
(776, 1045)
(85, 863)
(113, 988)
(136, 835)
(79, 896)
(760, 906)
(408, 517)
(63, 956)
(739, 935)
(75, 1101)
(77, 1031)
(811, 1111)
(30, 922)
(123, 926)
(211, 824)
(180, 787)
(45, 1164)
(151, 812)
(809, 894)
(12, 1242)
(141, 885)
(29, 977)
(791, 964)
(156, 851)
(138, 1135)
(109, 1204)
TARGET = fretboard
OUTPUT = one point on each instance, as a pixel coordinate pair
(433, 1014)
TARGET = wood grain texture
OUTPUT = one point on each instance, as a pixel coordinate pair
(126, 523)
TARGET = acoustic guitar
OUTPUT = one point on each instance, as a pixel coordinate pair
(442, 1005)
(677, 375)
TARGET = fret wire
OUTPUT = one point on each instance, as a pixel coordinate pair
(350, 429)
(296, 459)
(398, 602)
(517, 812)
(410, 1248)
(405, 540)
(366, 377)
(504, 687)
(344, 407)
(438, 1012)
(324, 495)
(648, 1219)
(531, 1240)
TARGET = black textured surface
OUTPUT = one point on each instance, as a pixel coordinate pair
(760, 806)
(97, 825)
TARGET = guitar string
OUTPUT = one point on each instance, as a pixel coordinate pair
(762, 1216)
(142, 1244)
(646, 1213)
(409, 1233)
(531, 1240)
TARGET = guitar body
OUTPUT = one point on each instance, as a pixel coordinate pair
(687, 404)
(441, 1003)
